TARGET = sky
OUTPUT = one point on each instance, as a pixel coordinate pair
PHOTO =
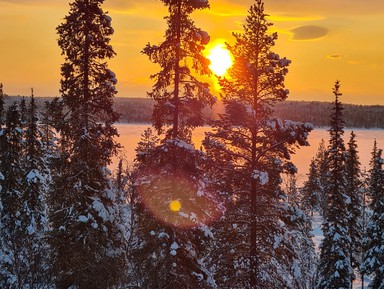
(327, 40)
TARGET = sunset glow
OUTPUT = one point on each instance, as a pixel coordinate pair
(311, 34)
(220, 59)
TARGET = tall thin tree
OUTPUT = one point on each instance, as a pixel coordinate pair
(180, 96)
(14, 261)
(354, 191)
(83, 212)
(373, 242)
(2, 102)
(172, 194)
(335, 267)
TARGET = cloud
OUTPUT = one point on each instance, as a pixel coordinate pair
(334, 56)
(309, 32)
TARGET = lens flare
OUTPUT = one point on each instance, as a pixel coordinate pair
(177, 199)
(175, 206)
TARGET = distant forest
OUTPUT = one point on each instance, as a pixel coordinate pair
(139, 110)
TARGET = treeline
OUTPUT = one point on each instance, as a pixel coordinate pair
(316, 112)
(139, 110)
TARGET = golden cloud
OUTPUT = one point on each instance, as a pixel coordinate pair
(308, 32)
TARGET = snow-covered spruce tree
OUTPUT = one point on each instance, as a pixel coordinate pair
(36, 181)
(2, 114)
(322, 172)
(86, 240)
(335, 268)
(180, 97)
(48, 132)
(314, 191)
(23, 112)
(311, 189)
(373, 242)
(354, 191)
(251, 150)
(173, 204)
(299, 234)
(14, 261)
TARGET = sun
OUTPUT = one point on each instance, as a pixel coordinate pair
(220, 58)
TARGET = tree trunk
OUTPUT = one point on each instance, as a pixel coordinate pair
(176, 99)
(253, 249)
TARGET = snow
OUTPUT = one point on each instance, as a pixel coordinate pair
(276, 242)
(82, 219)
(112, 76)
(261, 176)
(31, 229)
(336, 237)
(163, 235)
(181, 144)
(174, 246)
(200, 276)
(33, 176)
(108, 18)
(205, 38)
(110, 195)
(102, 211)
(296, 270)
(284, 62)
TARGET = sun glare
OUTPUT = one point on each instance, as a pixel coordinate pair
(220, 59)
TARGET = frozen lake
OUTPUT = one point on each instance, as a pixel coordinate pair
(130, 135)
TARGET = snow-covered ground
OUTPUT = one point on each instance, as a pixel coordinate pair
(318, 236)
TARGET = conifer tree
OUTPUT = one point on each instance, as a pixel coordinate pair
(172, 190)
(48, 132)
(250, 150)
(354, 191)
(35, 183)
(14, 266)
(314, 190)
(322, 162)
(180, 97)
(299, 233)
(2, 102)
(86, 239)
(373, 242)
(311, 189)
(335, 268)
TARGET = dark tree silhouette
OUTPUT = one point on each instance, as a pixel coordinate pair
(180, 97)
(251, 149)
(373, 257)
(335, 267)
(85, 238)
(173, 204)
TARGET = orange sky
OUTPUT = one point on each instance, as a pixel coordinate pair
(325, 39)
